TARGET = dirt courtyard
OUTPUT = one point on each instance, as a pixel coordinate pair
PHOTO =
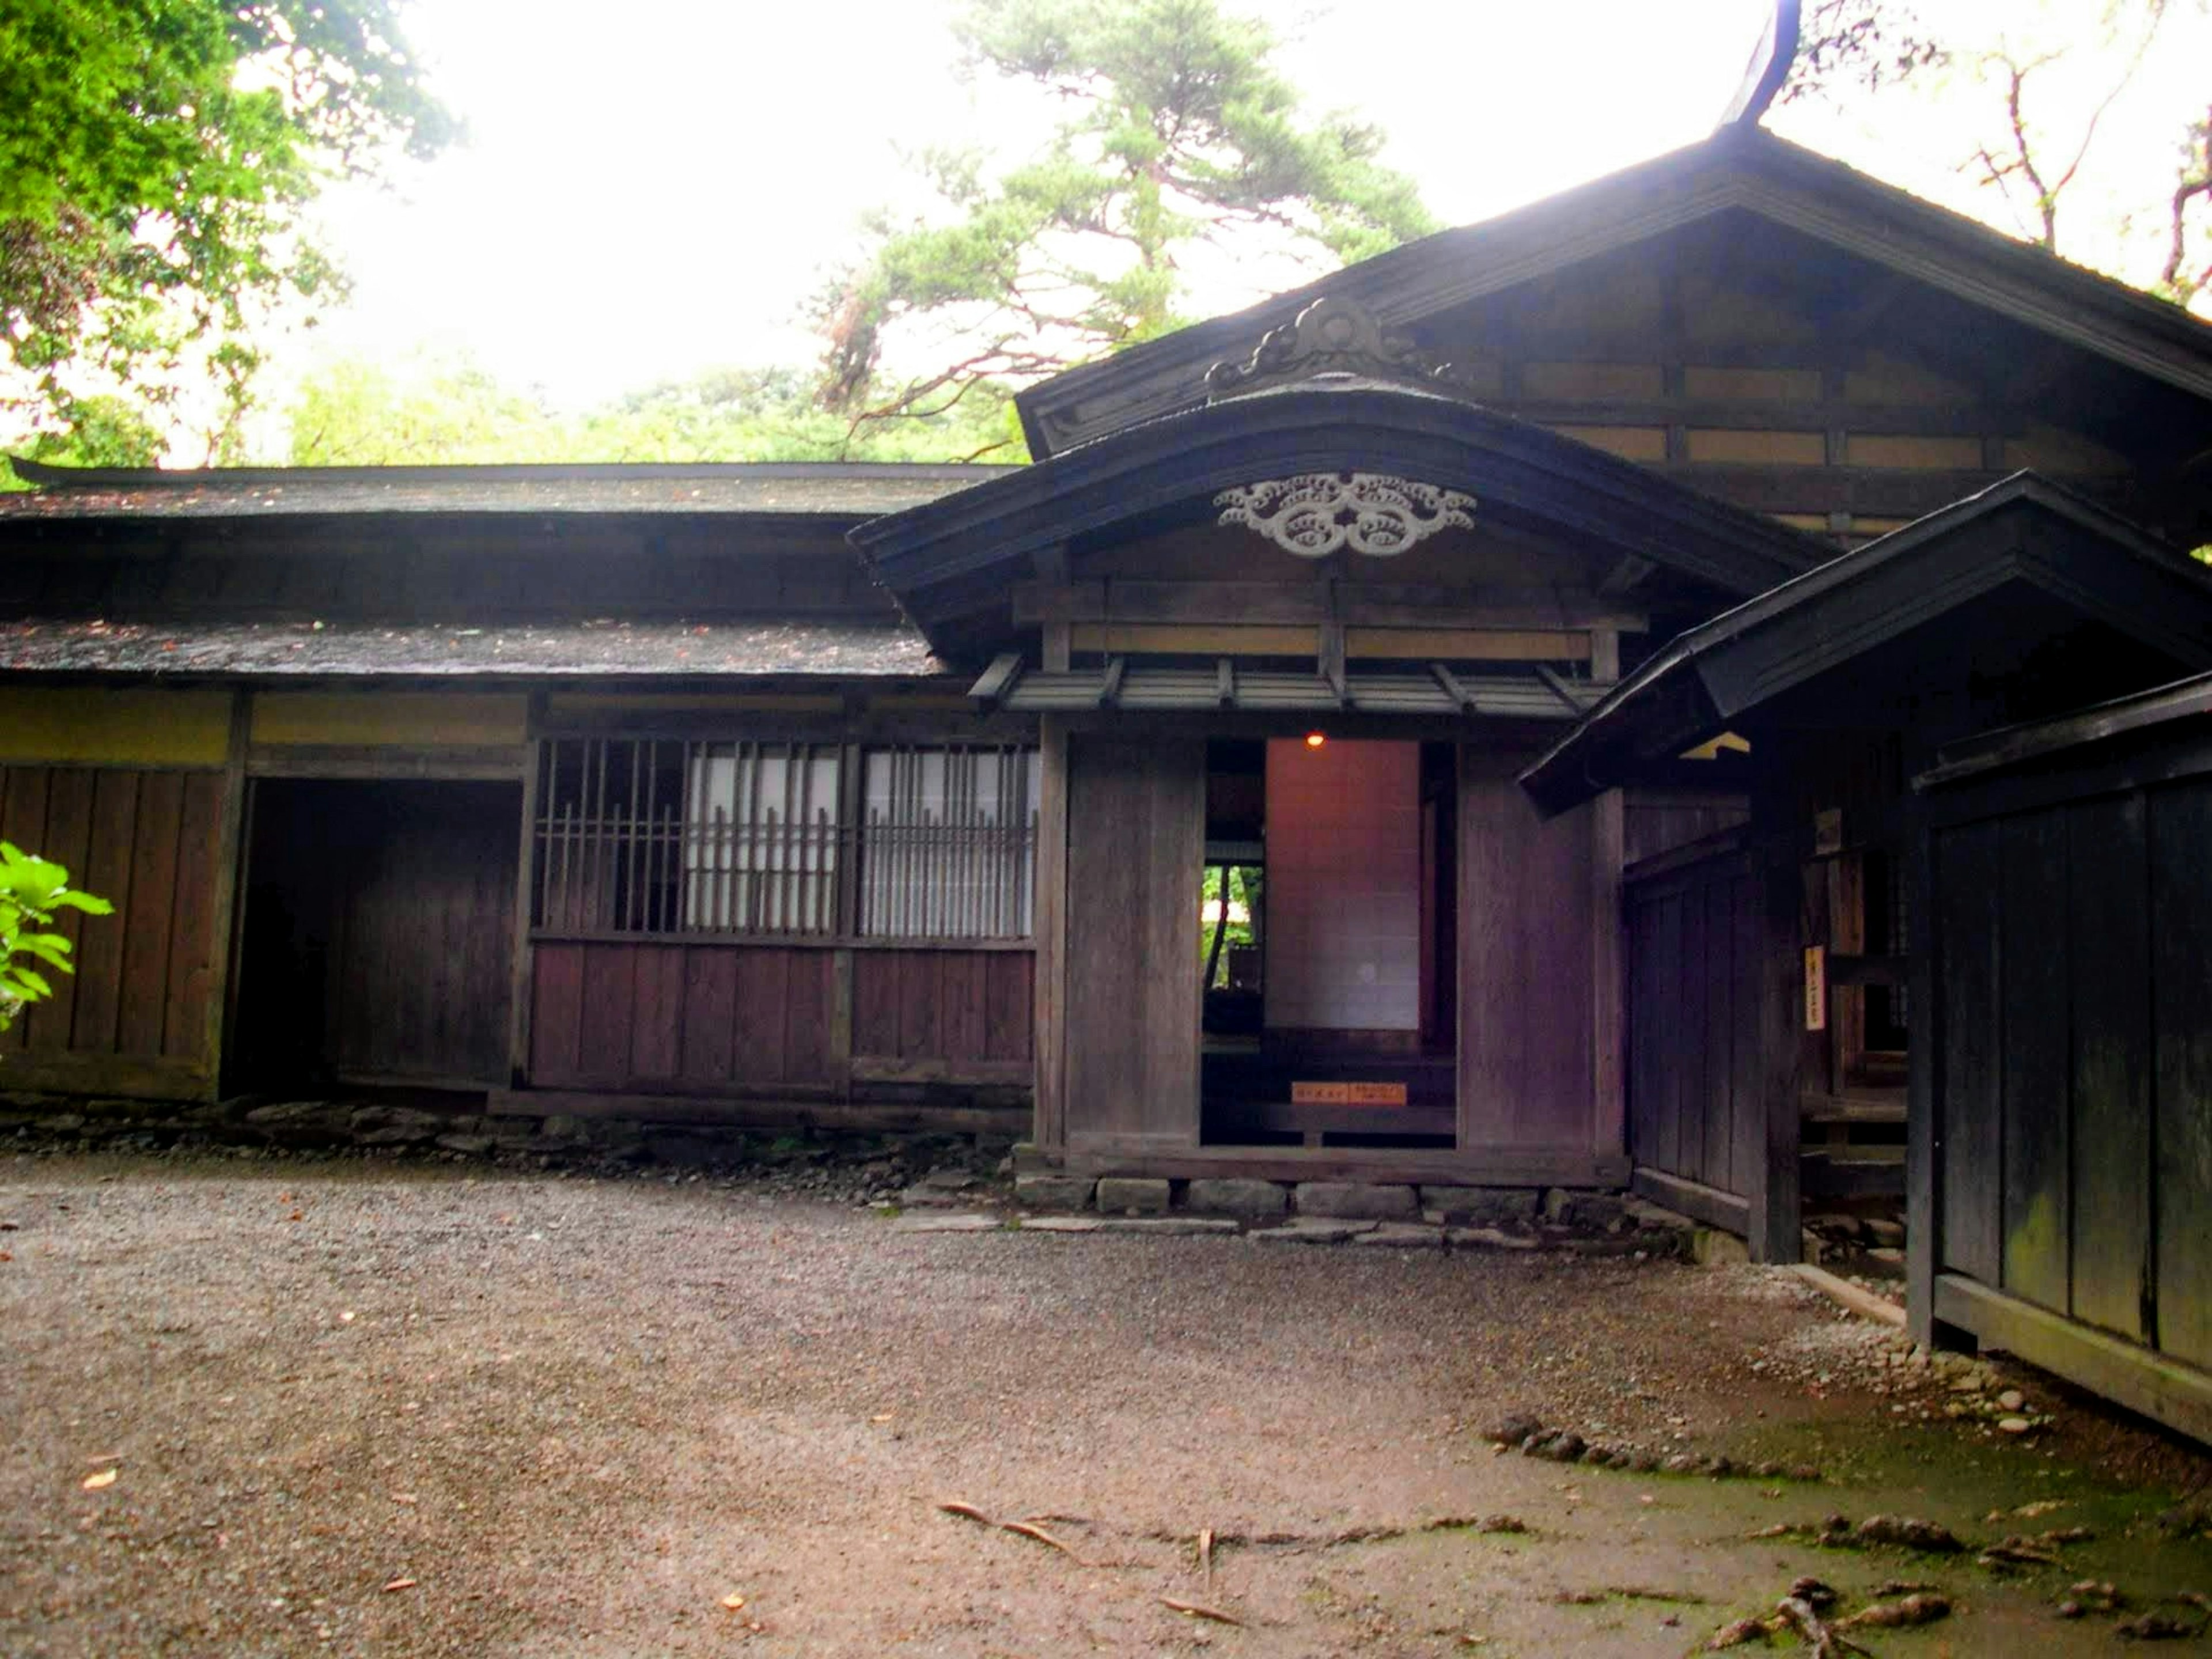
(390, 1408)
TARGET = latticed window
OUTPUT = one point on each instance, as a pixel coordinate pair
(666, 836)
(948, 845)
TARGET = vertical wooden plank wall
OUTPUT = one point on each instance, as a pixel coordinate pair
(1136, 848)
(141, 1017)
(1049, 997)
(1527, 1008)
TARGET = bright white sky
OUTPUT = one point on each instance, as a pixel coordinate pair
(652, 191)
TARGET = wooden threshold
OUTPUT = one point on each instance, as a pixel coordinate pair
(1716, 1208)
(1535, 1166)
(2164, 1389)
(128, 1076)
(716, 1111)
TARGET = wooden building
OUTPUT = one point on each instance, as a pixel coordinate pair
(888, 794)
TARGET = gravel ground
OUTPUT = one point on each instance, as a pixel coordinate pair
(393, 1408)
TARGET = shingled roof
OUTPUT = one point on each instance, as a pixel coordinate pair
(835, 489)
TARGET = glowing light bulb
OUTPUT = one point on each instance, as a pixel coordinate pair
(1314, 739)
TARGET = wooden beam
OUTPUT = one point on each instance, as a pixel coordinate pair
(1452, 687)
(1058, 646)
(1710, 1204)
(2164, 1389)
(1775, 1206)
(1609, 976)
(1109, 691)
(526, 868)
(1224, 682)
(1530, 1166)
(1330, 659)
(710, 1111)
(1048, 1126)
(992, 685)
(228, 900)
(488, 762)
(1360, 605)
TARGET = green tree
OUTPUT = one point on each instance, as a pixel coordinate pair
(31, 891)
(155, 155)
(1179, 133)
(443, 412)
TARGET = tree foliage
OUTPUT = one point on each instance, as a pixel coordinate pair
(2032, 148)
(1178, 133)
(155, 155)
(358, 413)
(31, 890)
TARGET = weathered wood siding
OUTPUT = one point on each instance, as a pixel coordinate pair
(675, 1017)
(1136, 845)
(1655, 821)
(1526, 1075)
(1694, 1071)
(138, 1017)
(926, 1014)
(2073, 1074)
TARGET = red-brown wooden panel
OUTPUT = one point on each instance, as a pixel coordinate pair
(876, 981)
(194, 931)
(920, 994)
(68, 838)
(557, 1013)
(1010, 1021)
(757, 1051)
(962, 1006)
(656, 1026)
(610, 1001)
(806, 1023)
(23, 822)
(710, 999)
(100, 949)
(149, 922)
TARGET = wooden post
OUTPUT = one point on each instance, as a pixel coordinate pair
(1049, 1130)
(1924, 1109)
(518, 978)
(1776, 1223)
(1609, 1023)
(227, 915)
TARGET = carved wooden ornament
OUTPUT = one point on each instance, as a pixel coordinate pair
(1316, 513)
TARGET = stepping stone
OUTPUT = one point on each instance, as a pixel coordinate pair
(1169, 1226)
(1061, 1223)
(1314, 1230)
(946, 1223)
(1405, 1236)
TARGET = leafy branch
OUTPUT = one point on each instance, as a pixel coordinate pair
(31, 891)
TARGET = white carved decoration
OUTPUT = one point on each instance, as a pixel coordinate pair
(1316, 513)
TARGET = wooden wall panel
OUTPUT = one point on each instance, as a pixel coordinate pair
(1693, 1050)
(2109, 990)
(149, 842)
(2181, 964)
(669, 1016)
(2034, 1075)
(1657, 821)
(1525, 1070)
(1136, 834)
(953, 1010)
(1969, 871)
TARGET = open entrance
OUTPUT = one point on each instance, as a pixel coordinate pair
(378, 937)
(1327, 944)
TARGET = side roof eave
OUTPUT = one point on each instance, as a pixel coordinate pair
(1727, 669)
(1519, 470)
(1739, 166)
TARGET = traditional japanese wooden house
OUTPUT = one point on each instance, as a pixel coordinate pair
(886, 794)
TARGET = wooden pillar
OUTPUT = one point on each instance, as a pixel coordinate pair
(518, 981)
(1049, 1122)
(1609, 1023)
(1776, 1223)
(1923, 1107)
(228, 907)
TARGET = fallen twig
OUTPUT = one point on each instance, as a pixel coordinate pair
(1197, 1610)
(967, 1512)
(1206, 1554)
(1023, 1528)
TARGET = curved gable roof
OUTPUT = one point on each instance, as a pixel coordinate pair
(1740, 168)
(951, 559)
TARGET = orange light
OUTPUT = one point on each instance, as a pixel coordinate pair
(1314, 739)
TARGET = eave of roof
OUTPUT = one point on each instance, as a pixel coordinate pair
(2014, 746)
(1672, 699)
(1516, 470)
(850, 491)
(1739, 166)
(463, 650)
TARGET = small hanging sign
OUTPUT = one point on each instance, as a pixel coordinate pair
(1816, 987)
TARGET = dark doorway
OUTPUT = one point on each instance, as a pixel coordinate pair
(378, 938)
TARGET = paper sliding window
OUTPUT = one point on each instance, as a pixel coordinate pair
(948, 843)
(761, 837)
